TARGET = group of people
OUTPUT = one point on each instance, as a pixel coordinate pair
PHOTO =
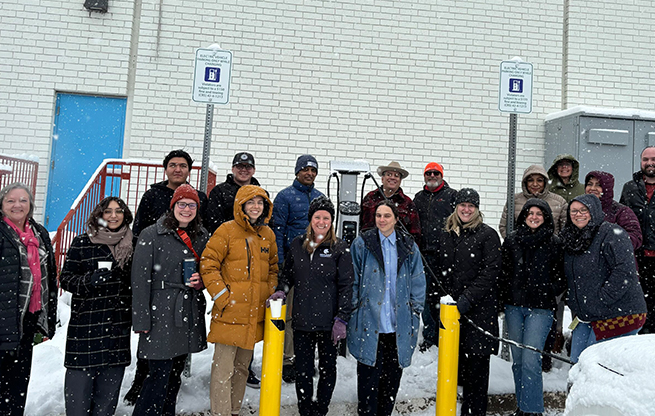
(571, 242)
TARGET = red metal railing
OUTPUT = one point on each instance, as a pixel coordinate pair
(15, 169)
(114, 177)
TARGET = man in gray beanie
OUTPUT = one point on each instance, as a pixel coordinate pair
(290, 210)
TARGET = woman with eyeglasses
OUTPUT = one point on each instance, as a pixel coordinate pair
(168, 305)
(604, 293)
(97, 273)
(28, 295)
(239, 268)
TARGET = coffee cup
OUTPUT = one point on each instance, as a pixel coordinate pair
(104, 265)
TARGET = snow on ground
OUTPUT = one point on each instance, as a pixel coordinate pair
(617, 374)
(46, 391)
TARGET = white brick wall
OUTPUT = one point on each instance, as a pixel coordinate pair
(405, 80)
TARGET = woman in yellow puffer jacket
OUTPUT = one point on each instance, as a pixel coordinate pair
(239, 268)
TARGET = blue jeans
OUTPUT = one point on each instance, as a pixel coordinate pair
(528, 326)
(583, 336)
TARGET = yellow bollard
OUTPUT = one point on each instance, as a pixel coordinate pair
(448, 359)
(271, 389)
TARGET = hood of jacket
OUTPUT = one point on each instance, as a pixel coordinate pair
(534, 169)
(606, 183)
(552, 172)
(545, 209)
(246, 193)
(595, 209)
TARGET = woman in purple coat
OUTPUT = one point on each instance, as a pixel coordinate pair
(601, 184)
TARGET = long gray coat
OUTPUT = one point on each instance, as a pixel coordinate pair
(173, 313)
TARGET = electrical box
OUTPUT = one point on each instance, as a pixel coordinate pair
(604, 139)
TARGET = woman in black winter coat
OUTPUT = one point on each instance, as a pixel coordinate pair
(97, 273)
(469, 266)
(28, 293)
(604, 293)
(531, 279)
(319, 267)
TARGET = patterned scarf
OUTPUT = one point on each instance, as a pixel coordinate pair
(29, 240)
(119, 242)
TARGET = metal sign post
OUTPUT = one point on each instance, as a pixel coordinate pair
(211, 85)
(514, 96)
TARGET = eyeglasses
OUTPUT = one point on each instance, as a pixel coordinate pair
(183, 205)
(392, 174)
(432, 173)
(176, 165)
(244, 167)
(116, 211)
(582, 211)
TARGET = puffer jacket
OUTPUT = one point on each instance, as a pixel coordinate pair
(602, 280)
(570, 190)
(634, 196)
(532, 273)
(368, 295)
(469, 267)
(556, 203)
(290, 215)
(101, 315)
(174, 314)
(11, 310)
(239, 268)
(615, 212)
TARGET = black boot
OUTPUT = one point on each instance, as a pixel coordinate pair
(139, 378)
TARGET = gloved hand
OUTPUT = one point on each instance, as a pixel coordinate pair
(277, 295)
(100, 276)
(338, 330)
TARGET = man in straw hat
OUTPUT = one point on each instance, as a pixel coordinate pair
(392, 175)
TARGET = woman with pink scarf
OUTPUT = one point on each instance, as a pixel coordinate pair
(28, 293)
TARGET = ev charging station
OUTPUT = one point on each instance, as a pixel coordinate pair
(347, 203)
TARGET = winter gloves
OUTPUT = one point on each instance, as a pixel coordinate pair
(277, 295)
(100, 276)
(338, 330)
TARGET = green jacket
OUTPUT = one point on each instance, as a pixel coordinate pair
(557, 186)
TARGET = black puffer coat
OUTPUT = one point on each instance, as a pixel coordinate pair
(469, 266)
(10, 276)
(155, 202)
(634, 195)
(533, 263)
(101, 315)
(323, 284)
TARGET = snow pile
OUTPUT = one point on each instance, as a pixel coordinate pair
(596, 384)
(46, 391)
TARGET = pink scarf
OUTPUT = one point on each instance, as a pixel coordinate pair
(30, 242)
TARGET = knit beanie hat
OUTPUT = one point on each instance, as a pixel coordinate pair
(305, 161)
(321, 203)
(468, 195)
(185, 191)
(433, 166)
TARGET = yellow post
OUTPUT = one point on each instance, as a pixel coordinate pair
(448, 359)
(271, 389)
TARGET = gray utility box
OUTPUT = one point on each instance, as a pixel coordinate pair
(605, 139)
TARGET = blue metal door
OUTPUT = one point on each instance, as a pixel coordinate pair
(87, 129)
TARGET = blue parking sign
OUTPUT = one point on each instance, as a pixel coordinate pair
(516, 85)
(212, 74)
